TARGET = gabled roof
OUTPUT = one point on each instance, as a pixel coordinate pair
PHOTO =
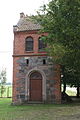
(26, 23)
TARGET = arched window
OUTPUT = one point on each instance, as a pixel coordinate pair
(36, 75)
(29, 44)
(41, 44)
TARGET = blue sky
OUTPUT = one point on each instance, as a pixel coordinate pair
(9, 15)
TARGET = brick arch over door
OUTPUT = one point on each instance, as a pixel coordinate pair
(43, 82)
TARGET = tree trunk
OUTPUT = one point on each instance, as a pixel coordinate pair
(7, 92)
(1, 92)
(64, 87)
(77, 91)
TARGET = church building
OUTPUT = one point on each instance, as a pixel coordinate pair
(35, 78)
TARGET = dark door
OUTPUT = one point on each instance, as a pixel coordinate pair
(36, 87)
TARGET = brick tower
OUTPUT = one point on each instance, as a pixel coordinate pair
(35, 77)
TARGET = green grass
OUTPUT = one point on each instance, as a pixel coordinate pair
(71, 93)
(6, 93)
(38, 111)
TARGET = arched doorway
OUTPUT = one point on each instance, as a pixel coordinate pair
(35, 86)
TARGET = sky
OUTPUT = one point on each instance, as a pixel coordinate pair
(9, 15)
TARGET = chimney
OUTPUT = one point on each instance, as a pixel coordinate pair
(22, 15)
(15, 28)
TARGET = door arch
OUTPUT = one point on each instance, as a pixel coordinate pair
(35, 86)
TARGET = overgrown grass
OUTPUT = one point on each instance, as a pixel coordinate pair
(38, 111)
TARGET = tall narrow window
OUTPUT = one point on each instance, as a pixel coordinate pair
(27, 61)
(44, 61)
(41, 44)
(29, 44)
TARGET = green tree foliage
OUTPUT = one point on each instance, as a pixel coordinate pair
(61, 19)
(2, 81)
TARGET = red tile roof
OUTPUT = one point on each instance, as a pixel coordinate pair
(25, 23)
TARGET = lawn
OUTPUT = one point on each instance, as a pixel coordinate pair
(38, 111)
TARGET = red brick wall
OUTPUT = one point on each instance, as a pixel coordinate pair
(19, 42)
(15, 65)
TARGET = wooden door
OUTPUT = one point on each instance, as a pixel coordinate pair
(36, 88)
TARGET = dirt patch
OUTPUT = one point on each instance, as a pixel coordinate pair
(70, 117)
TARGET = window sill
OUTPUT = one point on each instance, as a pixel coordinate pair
(29, 51)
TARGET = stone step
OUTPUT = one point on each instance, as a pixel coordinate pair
(34, 102)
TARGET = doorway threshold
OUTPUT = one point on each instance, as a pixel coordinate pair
(35, 102)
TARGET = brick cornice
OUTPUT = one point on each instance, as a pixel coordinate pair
(24, 55)
(28, 32)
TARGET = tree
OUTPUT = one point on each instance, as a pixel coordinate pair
(2, 81)
(61, 19)
(8, 92)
